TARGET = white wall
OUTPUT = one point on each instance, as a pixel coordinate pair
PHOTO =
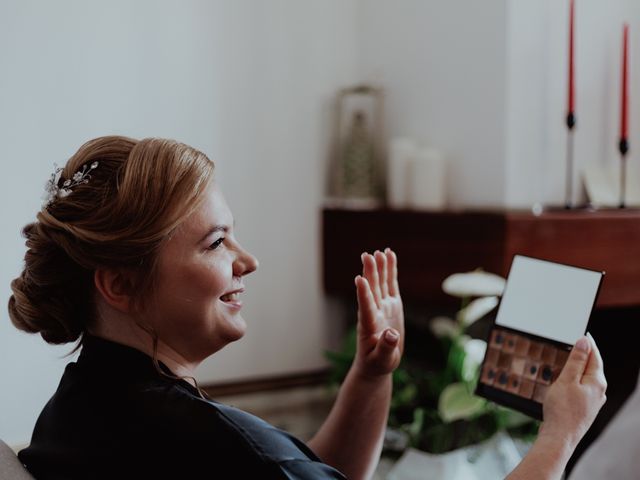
(248, 82)
(442, 63)
(486, 83)
(537, 92)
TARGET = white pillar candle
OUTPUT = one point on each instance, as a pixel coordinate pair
(427, 180)
(401, 153)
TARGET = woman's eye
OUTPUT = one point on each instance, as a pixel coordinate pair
(216, 244)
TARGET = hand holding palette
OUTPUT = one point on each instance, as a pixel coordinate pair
(545, 308)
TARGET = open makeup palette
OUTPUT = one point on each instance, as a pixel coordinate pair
(545, 308)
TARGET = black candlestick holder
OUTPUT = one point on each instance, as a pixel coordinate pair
(568, 200)
(623, 147)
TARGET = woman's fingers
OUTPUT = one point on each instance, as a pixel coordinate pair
(595, 365)
(381, 271)
(366, 306)
(392, 272)
(381, 262)
(575, 398)
(574, 369)
(384, 354)
(370, 270)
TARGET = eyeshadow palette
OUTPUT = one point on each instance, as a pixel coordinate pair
(518, 369)
(545, 308)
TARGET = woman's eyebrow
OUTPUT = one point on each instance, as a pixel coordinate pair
(214, 229)
(217, 228)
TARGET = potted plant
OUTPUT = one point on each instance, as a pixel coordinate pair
(433, 409)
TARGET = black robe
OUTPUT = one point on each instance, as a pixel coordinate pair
(115, 416)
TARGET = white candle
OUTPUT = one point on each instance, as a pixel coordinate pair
(427, 180)
(401, 154)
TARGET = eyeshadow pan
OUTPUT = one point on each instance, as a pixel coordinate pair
(531, 370)
(509, 343)
(522, 346)
(535, 351)
(546, 374)
(549, 354)
(561, 357)
(540, 392)
(501, 379)
(513, 384)
(505, 360)
(492, 356)
(526, 388)
(517, 365)
(497, 338)
(488, 375)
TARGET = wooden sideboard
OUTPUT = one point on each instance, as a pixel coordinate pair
(431, 246)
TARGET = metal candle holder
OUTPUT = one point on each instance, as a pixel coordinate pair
(571, 123)
(623, 147)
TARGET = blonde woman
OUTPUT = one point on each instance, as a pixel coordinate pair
(134, 257)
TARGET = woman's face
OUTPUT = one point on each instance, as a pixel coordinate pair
(200, 279)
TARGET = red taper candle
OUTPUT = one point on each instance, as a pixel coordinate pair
(624, 110)
(571, 90)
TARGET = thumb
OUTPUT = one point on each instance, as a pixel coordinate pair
(384, 349)
(577, 362)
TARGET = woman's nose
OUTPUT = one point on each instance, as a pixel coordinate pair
(245, 263)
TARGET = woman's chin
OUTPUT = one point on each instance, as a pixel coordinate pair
(236, 329)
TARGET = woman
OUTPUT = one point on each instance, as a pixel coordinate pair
(134, 255)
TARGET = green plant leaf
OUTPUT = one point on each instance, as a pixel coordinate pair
(456, 402)
(416, 425)
(404, 396)
(455, 360)
(512, 418)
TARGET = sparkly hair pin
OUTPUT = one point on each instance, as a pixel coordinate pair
(53, 191)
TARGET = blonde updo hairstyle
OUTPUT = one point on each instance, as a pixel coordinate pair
(136, 197)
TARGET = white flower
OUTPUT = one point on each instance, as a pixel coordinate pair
(473, 284)
(477, 309)
(443, 327)
(474, 350)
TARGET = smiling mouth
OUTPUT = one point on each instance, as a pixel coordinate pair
(231, 297)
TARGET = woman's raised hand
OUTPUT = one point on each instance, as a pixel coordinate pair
(380, 315)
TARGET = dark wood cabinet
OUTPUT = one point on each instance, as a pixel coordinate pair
(431, 246)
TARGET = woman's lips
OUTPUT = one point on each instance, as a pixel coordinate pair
(232, 299)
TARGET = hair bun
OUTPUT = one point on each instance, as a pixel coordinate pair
(52, 295)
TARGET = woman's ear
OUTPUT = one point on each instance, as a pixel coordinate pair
(115, 288)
